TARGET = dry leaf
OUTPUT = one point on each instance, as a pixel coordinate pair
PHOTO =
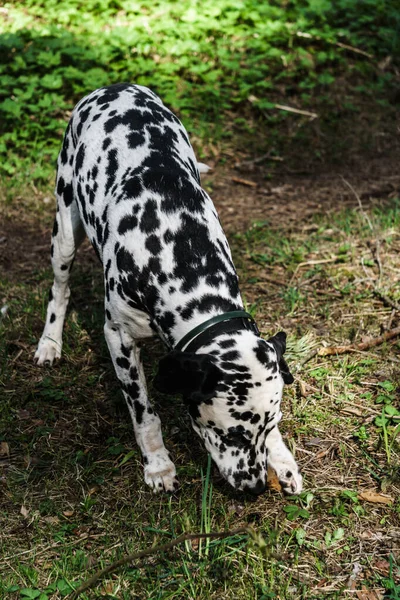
(4, 449)
(365, 594)
(357, 570)
(303, 389)
(273, 481)
(108, 588)
(23, 414)
(382, 566)
(91, 561)
(235, 508)
(371, 535)
(194, 544)
(68, 513)
(24, 512)
(51, 520)
(371, 496)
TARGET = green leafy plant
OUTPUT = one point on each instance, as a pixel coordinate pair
(294, 511)
(51, 55)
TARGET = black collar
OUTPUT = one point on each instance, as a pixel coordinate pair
(204, 333)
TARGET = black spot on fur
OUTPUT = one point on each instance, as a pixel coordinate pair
(232, 355)
(153, 244)
(135, 139)
(139, 410)
(80, 156)
(227, 343)
(127, 224)
(149, 221)
(123, 362)
(126, 351)
(111, 169)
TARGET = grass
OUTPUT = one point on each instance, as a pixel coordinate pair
(73, 494)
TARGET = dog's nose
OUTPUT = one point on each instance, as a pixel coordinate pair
(258, 489)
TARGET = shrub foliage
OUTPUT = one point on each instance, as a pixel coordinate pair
(206, 59)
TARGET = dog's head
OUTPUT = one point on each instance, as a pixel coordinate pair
(234, 394)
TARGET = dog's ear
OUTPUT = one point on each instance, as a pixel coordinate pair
(195, 376)
(279, 343)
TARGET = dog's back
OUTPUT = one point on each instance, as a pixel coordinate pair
(127, 161)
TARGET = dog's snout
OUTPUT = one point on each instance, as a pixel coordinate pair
(257, 489)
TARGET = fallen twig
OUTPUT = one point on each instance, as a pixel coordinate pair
(366, 217)
(377, 257)
(332, 350)
(298, 111)
(386, 299)
(339, 44)
(353, 49)
(370, 343)
(270, 279)
(130, 558)
(257, 160)
(312, 263)
(309, 356)
(244, 181)
(252, 99)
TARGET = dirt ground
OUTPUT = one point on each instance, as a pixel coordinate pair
(243, 191)
(288, 195)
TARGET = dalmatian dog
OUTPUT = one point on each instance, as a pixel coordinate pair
(128, 178)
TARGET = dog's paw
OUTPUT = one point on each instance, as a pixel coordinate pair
(162, 478)
(290, 479)
(48, 350)
(282, 462)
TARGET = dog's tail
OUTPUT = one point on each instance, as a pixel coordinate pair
(203, 168)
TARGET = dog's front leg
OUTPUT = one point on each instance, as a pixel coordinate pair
(281, 460)
(159, 470)
(68, 233)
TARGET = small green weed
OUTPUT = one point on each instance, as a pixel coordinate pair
(292, 298)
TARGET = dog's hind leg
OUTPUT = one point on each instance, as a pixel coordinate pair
(159, 470)
(67, 234)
